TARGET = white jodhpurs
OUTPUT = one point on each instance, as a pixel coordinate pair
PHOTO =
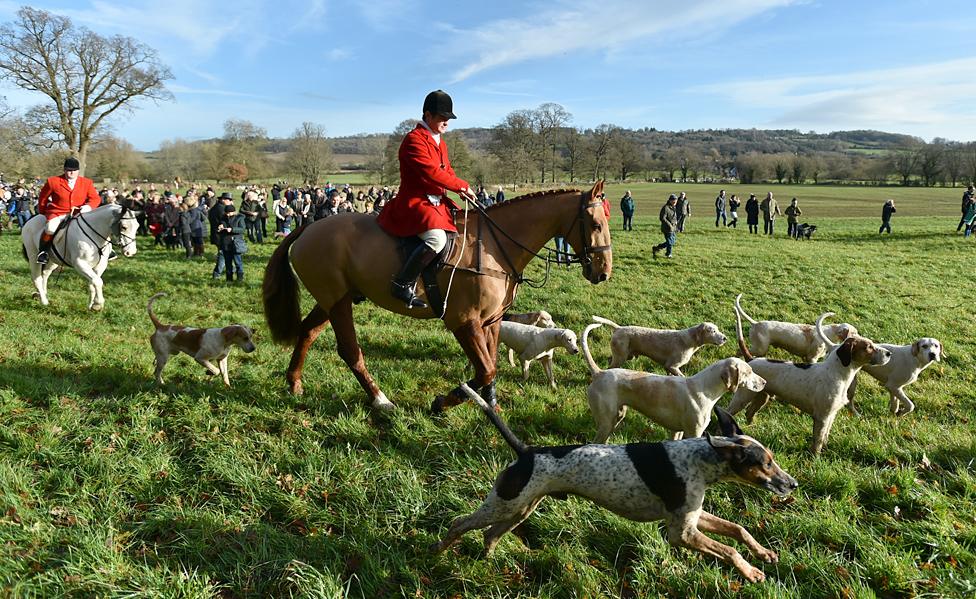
(435, 239)
(52, 225)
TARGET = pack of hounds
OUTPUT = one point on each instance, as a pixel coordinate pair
(653, 481)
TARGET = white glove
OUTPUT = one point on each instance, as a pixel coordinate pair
(85, 208)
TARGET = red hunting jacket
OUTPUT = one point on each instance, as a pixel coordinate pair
(57, 199)
(425, 169)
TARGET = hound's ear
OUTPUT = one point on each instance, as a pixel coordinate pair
(726, 423)
(915, 348)
(844, 334)
(719, 443)
(846, 352)
(700, 334)
(730, 376)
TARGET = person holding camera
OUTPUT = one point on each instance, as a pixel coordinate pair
(230, 232)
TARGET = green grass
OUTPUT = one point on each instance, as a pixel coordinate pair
(110, 486)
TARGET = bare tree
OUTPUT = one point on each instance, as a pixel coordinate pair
(86, 77)
(603, 138)
(905, 163)
(930, 162)
(242, 144)
(953, 163)
(574, 142)
(116, 159)
(310, 155)
(550, 118)
(178, 158)
(514, 142)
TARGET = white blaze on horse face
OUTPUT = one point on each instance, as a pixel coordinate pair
(129, 228)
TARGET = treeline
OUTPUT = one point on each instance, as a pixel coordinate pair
(535, 146)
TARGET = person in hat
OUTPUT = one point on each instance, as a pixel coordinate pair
(421, 207)
(669, 226)
(62, 195)
(214, 216)
(232, 245)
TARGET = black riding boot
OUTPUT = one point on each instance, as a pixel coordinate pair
(43, 247)
(405, 282)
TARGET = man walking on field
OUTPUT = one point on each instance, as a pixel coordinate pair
(63, 195)
(669, 226)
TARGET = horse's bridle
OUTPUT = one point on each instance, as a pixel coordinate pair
(116, 230)
(584, 259)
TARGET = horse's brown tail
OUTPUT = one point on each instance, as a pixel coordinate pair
(282, 307)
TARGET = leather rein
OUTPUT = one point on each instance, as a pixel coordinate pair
(552, 255)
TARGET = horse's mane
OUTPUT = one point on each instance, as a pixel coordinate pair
(532, 196)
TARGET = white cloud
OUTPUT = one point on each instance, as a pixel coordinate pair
(929, 100)
(337, 54)
(588, 25)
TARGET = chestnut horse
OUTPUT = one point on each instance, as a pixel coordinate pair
(347, 257)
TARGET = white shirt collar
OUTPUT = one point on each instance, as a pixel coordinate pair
(436, 136)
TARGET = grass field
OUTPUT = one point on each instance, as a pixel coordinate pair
(110, 486)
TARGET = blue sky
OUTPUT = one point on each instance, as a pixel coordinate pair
(353, 67)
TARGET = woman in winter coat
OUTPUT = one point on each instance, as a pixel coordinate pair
(752, 214)
(627, 208)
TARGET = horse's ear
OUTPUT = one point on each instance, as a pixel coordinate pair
(597, 189)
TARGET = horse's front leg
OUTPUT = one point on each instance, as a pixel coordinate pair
(477, 342)
(96, 301)
(39, 277)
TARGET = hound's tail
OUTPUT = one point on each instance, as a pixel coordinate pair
(594, 369)
(738, 308)
(738, 333)
(609, 323)
(820, 332)
(517, 446)
(149, 306)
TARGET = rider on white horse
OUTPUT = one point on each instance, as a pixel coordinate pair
(63, 195)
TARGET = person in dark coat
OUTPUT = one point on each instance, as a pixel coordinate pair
(232, 245)
(669, 226)
(886, 211)
(720, 209)
(627, 208)
(967, 196)
(683, 208)
(251, 209)
(752, 214)
(215, 215)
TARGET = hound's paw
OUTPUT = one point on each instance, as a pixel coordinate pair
(753, 574)
(766, 555)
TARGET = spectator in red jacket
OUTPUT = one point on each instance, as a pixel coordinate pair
(421, 207)
(63, 195)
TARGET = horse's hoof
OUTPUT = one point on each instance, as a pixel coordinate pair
(97, 308)
(380, 402)
(437, 406)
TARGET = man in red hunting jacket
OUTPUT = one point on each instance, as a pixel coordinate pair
(63, 195)
(421, 207)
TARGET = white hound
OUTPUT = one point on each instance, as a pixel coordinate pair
(819, 389)
(669, 348)
(683, 405)
(798, 339)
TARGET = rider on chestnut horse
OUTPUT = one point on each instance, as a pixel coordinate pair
(421, 207)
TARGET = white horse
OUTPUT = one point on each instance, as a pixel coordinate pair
(84, 244)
